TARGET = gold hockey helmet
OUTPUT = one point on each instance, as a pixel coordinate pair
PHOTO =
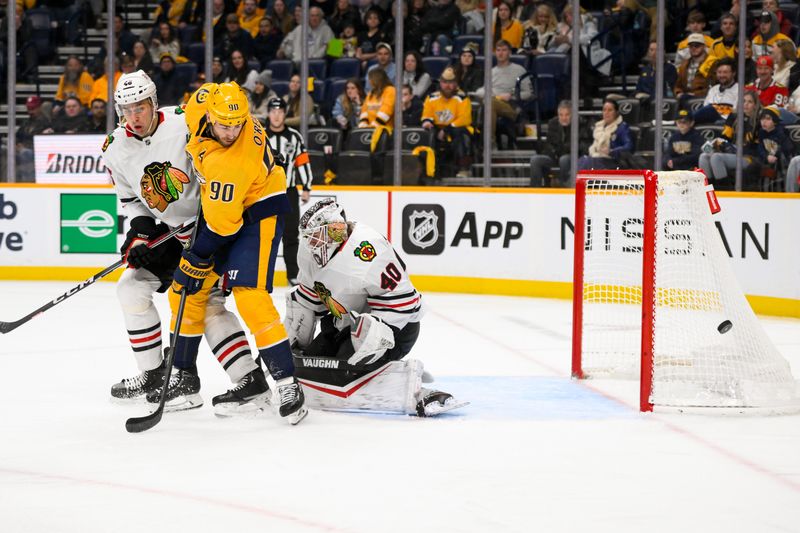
(227, 104)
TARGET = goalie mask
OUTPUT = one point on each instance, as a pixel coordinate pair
(323, 229)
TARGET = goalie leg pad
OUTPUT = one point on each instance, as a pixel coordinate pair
(390, 388)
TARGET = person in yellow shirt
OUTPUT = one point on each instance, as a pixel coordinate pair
(74, 82)
(244, 203)
(508, 28)
(378, 108)
(100, 86)
(172, 14)
(448, 112)
(725, 46)
(250, 16)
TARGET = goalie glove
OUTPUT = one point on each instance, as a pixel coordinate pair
(371, 338)
(300, 321)
(191, 273)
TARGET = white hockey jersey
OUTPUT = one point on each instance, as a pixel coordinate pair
(366, 275)
(153, 175)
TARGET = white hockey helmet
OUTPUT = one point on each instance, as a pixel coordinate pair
(323, 228)
(134, 87)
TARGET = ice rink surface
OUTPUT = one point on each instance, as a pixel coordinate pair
(535, 451)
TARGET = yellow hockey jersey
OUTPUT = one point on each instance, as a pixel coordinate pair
(233, 179)
(455, 111)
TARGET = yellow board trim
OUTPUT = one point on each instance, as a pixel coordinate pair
(762, 305)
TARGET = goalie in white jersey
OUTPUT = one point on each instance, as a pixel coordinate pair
(147, 160)
(352, 278)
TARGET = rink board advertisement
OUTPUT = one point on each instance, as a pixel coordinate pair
(69, 159)
(470, 240)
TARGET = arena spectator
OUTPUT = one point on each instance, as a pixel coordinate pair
(611, 139)
(344, 13)
(769, 92)
(414, 74)
(724, 46)
(250, 16)
(240, 72)
(721, 98)
(775, 149)
(768, 34)
(165, 42)
(347, 109)
(218, 74)
(293, 98)
(74, 82)
(690, 82)
(97, 117)
(284, 20)
(594, 60)
(370, 37)
(259, 97)
(784, 23)
(124, 37)
(267, 41)
(169, 85)
(474, 21)
(37, 123)
(787, 69)
(504, 81)
(793, 175)
(100, 85)
(384, 63)
(234, 38)
(555, 147)
(646, 84)
(506, 27)
(170, 12)
(685, 145)
(719, 160)
(142, 60)
(695, 24)
(319, 34)
(378, 108)
(411, 106)
(349, 40)
(540, 30)
(448, 113)
(469, 76)
(438, 26)
(72, 118)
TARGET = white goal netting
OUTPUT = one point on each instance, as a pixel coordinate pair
(694, 364)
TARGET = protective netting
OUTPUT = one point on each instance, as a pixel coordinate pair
(694, 364)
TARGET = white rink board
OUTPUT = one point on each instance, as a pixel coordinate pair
(529, 233)
(74, 159)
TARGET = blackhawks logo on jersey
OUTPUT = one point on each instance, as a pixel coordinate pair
(162, 184)
(109, 140)
(365, 251)
(324, 294)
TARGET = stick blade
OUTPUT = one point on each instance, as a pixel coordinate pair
(138, 424)
(5, 327)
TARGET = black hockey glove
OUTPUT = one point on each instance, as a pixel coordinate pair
(135, 249)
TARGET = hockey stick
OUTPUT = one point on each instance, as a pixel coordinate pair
(137, 424)
(6, 327)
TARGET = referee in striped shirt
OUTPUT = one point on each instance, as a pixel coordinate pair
(289, 144)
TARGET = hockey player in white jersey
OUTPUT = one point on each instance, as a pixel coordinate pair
(146, 158)
(352, 278)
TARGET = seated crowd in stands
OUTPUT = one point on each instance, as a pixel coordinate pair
(356, 77)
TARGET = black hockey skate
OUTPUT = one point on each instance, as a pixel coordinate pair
(434, 402)
(290, 399)
(137, 387)
(182, 391)
(250, 396)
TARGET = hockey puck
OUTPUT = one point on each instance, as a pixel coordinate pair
(725, 326)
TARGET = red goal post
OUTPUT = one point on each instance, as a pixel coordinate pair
(655, 297)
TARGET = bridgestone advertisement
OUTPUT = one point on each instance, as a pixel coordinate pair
(69, 159)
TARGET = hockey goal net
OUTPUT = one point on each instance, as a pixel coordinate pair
(654, 296)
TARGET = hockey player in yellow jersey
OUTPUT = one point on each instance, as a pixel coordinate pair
(448, 112)
(243, 198)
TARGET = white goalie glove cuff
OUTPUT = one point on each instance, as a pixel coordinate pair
(300, 322)
(371, 338)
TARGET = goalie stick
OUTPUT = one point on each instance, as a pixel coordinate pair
(6, 327)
